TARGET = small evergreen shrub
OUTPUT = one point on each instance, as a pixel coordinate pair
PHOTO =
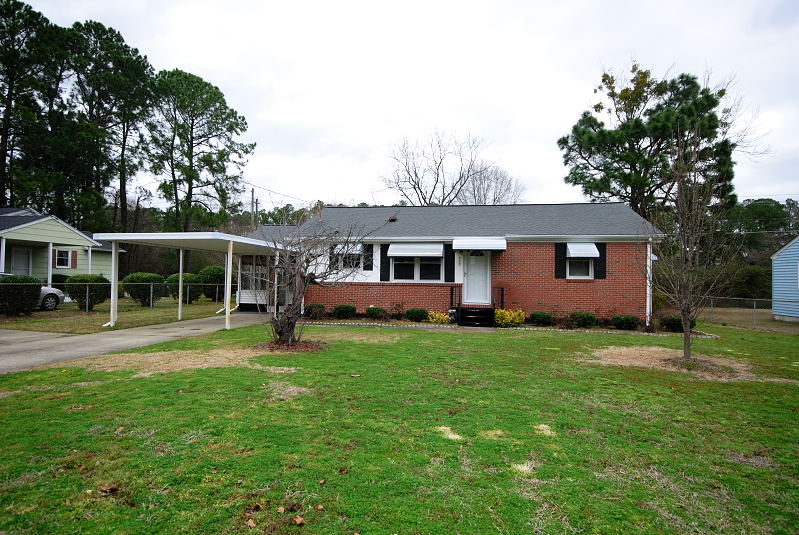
(439, 317)
(343, 312)
(376, 313)
(625, 322)
(192, 286)
(213, 277)
(19, 294)
(137, 286)
(673, 323)
(508, 318)
(416, 314)
(582, 319)
(58, 281)
(99, 289)
(314, 311)
(542, 318)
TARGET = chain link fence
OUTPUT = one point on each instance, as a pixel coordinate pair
(749, 313)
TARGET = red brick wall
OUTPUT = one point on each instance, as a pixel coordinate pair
(433, 297)
(527, 272)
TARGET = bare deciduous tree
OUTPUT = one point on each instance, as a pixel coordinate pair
(312, 252)
(494, 186)
(436, 171)
(694, 257)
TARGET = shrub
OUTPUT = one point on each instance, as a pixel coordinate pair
(314, 311)
(508, 318)
(542, 318)
(192, 286)
(343, 312)
(439, 317)
(416, 314)
(582, 319)
(673, 323)
(625, 322)
(659, 301)
(99, 289)
(19, 294)
(213, 277)
(137, 286)
(58, 281)
(376, 313)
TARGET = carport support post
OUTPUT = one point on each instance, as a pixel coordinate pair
(114, 282)
(50, 264)
(238, 283)
(180, 284)
(2, 255)
(228, 282)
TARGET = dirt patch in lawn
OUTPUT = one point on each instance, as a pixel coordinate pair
(299, 347)
(374, 336)
(661, 358)
(169, 361)
(283, 391)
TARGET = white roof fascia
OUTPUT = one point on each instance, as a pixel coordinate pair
(416, 249)
(517, 238)
(581, 250)
(781, 249)
(54, 218)
(479, 244)
(180, 239)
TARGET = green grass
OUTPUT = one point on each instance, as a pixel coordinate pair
(206, 450)
(68, 318)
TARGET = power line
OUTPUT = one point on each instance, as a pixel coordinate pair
(275, 192)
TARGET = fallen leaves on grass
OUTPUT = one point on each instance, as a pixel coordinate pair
(149, 364)
(661, 358)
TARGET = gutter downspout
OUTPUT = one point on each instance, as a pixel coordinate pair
(649, 282)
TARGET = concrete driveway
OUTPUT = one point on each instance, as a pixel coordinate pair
(20, 350)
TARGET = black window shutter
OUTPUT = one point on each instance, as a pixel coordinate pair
(368, 256)
(599, 263)
(449, 263)
(385, 265)
(560, 260)
(332, 258)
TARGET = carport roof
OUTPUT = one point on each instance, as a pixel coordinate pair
(196, 241)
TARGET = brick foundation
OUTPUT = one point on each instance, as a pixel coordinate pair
(527, 272)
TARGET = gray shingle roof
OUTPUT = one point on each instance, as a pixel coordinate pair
(11, 221)
(580, 219)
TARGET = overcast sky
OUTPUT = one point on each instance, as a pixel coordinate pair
(327, 87)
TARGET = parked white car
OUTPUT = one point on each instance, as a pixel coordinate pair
(49, 298)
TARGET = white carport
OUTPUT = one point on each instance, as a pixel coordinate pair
(193, 241)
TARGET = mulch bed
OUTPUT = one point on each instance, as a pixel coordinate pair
(299, 347)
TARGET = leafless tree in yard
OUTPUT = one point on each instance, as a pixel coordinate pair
(436, 171)
(694, 256)
(312, 252)
(494, 186)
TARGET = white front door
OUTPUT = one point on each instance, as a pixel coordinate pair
(476, 277)
(21, 261)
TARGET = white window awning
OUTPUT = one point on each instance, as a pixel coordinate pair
(581, 250)
(479, 244)
(416, 249)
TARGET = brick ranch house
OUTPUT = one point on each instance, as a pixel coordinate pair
(468, 260)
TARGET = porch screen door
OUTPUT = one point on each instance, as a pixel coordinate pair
(476, 278)
(21, 261)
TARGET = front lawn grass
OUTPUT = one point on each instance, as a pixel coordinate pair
(407, 431)
(69, 318)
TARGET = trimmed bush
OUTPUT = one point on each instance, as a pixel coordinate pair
(343, 312)
(625, 322)
(542, 318)
(192, 286)
(416, 314)
(376, 313)
(439, 317)
(58, 281)
(583, 319)
(314, 311)
(673, 323)
(137, 286)
(508, 318)
(19, 294)
(99, 290)
(213, 278)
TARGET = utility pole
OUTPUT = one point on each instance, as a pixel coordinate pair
(252, 207)
(257, 219)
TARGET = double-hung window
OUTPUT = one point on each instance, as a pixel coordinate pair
(416, 268)
(63, 258)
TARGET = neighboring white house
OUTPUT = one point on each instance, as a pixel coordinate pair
(785, 282)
